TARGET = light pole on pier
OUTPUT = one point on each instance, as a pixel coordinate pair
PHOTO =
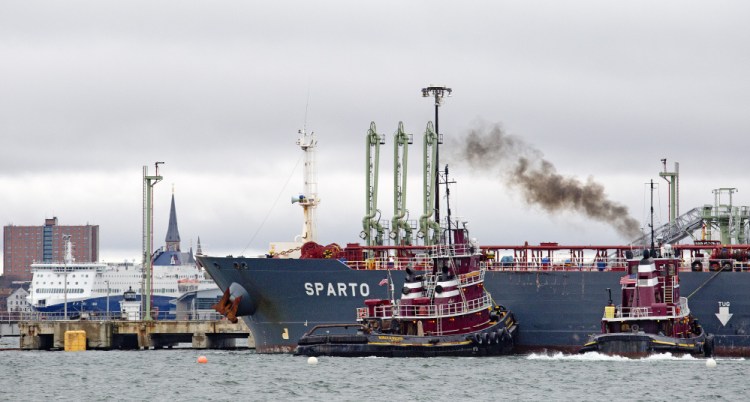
(438, 92)
(107, 282)
(66, 257)
(148, 184)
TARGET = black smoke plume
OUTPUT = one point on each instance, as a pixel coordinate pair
(523, 167)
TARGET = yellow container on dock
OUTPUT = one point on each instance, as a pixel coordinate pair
(609, 311)
(75, 341)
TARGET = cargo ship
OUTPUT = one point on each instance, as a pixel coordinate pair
(555, 291)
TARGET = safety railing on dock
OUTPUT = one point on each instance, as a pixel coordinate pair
(112, 316)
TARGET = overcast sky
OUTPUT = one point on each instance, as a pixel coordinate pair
(92, 91)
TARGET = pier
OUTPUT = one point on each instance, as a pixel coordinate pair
(136, 335)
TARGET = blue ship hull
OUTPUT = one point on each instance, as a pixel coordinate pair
(556, 310)
(97, 306)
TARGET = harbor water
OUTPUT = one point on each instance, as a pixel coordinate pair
(175, 374)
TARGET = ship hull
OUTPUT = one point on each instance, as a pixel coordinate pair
(161, 305)
(493, 341)
(643, 344)
(556, 310)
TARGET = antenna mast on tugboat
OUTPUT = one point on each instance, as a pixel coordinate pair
(438, 92)
(448, 205)
(651, 225)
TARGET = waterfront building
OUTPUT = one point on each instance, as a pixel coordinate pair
(17, 302)
(24, 245)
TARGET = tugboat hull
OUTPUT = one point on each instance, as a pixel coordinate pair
(642, 344)
(498, 339)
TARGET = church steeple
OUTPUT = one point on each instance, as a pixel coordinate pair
(173, 234)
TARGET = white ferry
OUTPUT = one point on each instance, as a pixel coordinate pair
(97, 288)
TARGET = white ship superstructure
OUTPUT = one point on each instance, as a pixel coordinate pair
(97, 288)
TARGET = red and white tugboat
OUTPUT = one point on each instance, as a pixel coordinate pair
(444, 310)
(653, 317)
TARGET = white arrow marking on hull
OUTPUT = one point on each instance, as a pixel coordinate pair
(723, 315)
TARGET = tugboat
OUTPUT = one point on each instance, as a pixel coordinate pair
(443, 310)
(652, 318)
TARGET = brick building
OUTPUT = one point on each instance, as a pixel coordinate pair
(24, 245)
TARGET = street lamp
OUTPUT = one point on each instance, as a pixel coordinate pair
(66, 257)
(438, 92)
(107, 282)
(65, 293)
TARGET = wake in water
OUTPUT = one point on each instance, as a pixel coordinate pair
(596, 356)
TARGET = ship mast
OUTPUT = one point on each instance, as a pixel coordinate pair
(437, 92)
(308, 200)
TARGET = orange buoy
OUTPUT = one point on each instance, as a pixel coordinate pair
(202, 359)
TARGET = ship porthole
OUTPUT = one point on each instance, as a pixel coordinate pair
(634, 327)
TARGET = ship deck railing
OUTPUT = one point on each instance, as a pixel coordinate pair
(453, 250)
(427, 311)
(626, 313)
(423, 263)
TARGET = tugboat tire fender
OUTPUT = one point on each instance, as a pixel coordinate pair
(347, 338)
(507, 337)
(708, 346)
(477, 338)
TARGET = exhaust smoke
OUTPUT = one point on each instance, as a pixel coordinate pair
(524, 168)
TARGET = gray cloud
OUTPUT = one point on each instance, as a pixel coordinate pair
(90, 91)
